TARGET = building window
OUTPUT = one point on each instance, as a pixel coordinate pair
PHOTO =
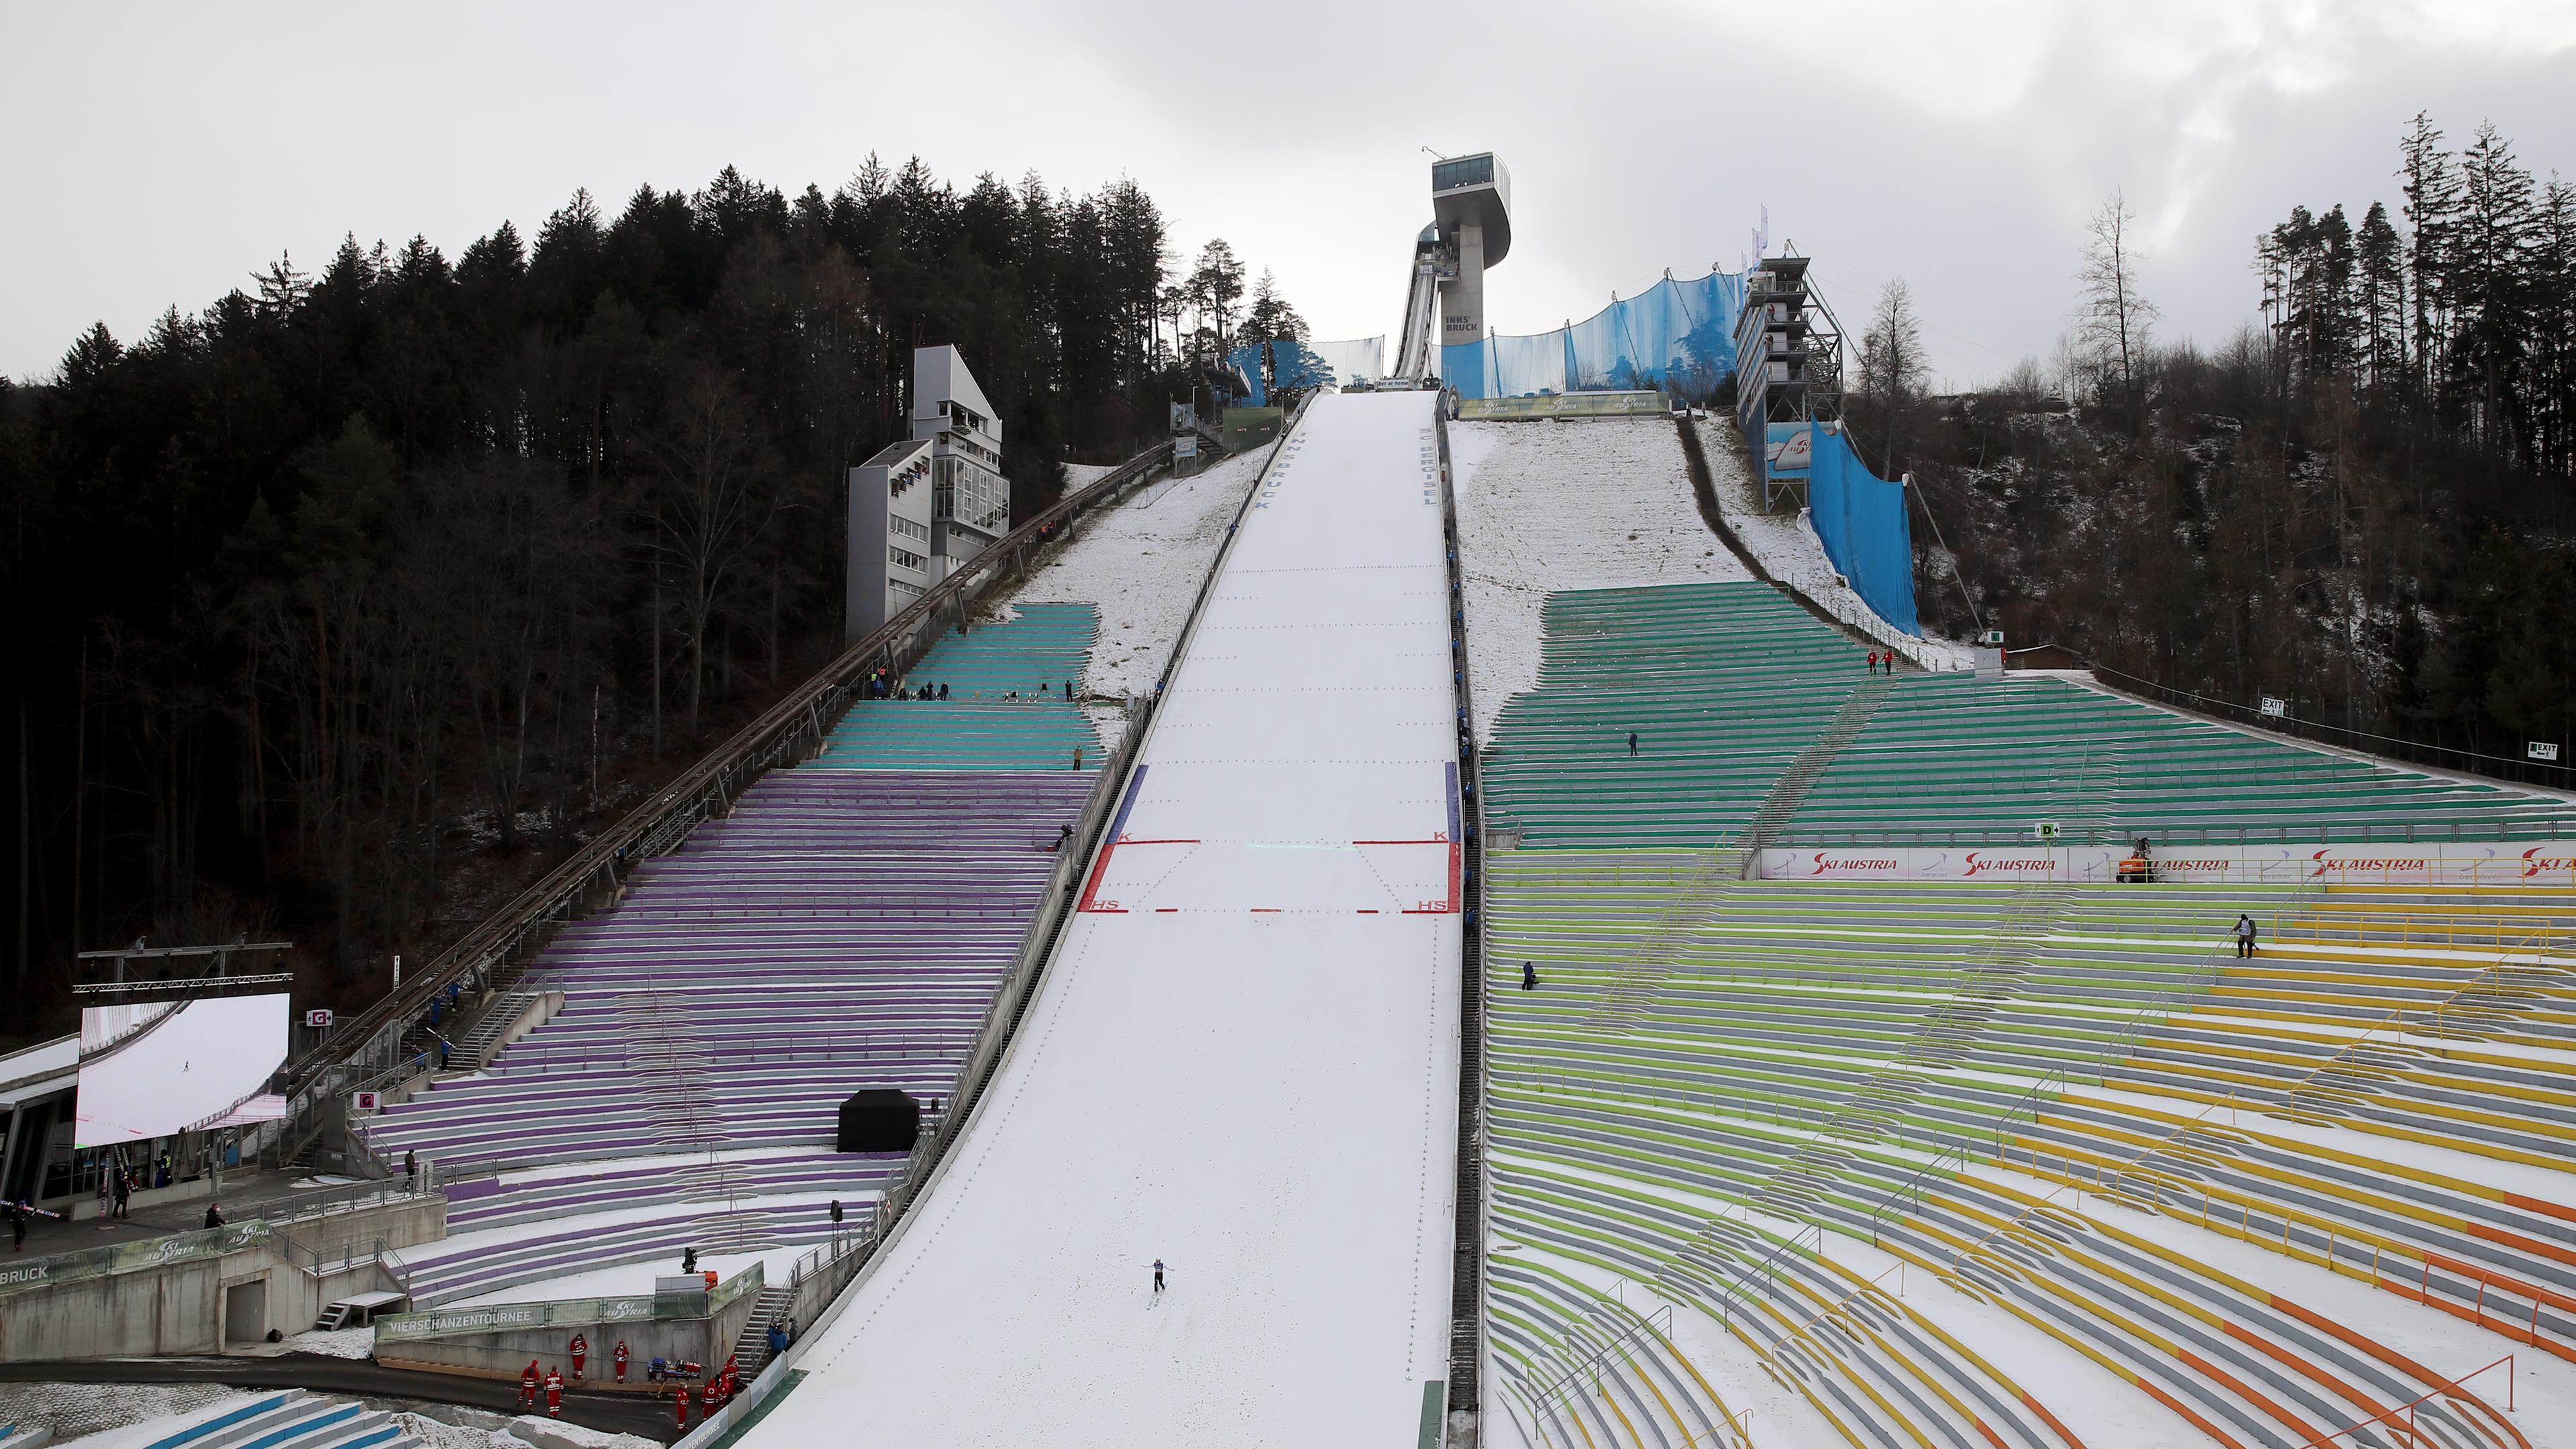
(906, 558)
(971, 493)
(910, 591)
(906, 528)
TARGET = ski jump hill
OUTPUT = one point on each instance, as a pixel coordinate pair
(1243, 1059)
(1458, 893)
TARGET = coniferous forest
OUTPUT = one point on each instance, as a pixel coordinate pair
(340, 608)
(2365, 506)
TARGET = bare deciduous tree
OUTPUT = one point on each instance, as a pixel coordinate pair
(2113, 318)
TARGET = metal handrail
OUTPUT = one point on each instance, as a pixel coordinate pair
(708, 788)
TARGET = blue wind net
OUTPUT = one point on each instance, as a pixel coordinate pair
(1305, 364)
(1674, 337)
(1860, 517)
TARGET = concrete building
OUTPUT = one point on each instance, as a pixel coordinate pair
(1471, 201)
(922, 506)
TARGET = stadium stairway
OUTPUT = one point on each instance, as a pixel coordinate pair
(1738, 1103)
(843, 928)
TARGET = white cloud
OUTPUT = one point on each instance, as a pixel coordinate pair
(158, 156)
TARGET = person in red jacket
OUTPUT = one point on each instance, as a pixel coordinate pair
(620, 1357)
(732, 1374)
(680, 1408)
(554, 1393)
(580, 1355)
(528, 1385)
(714, 1400)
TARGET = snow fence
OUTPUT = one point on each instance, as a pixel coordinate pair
(1676, 337)
(1860, 519)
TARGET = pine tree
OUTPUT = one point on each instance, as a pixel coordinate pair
(2432, 204)
(2380, 272)
(2489, 279)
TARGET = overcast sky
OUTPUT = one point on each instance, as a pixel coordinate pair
(153, 155)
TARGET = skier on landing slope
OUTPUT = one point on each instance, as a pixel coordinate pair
(1158, 1277)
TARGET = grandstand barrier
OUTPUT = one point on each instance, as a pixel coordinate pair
(1676, 338)
(496, 1340)
(1563, 405)
(2432, 863)
(2555, 776)
(176, 1294)
(370, 1048)
(1860, 518)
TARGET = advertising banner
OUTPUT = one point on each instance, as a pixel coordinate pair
(2449, 863)
(1789, 449)
(58, 1268)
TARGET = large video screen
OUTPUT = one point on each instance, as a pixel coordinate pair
(151, 1068)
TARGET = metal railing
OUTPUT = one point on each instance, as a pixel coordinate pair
(340, 1201)
(370, 1045)
(2441, 757)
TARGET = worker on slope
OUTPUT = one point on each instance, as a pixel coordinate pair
(2244, 936)
(554, 1393)
(619, 1357)
(528, 1385)
(1529, 976)
(580, 1352)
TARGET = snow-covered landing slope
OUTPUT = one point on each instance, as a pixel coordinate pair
(1243, 1058)
(1788, 549)
(1141, 563)
(1581, 503)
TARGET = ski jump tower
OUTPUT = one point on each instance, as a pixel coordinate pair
(1788, 376)
(1471, 229)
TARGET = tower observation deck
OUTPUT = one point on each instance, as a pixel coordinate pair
(1471, 203)
(1471, 229)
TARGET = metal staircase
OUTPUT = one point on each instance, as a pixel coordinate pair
(672, 1066)
(1790, 790)
(1701, 898)
(751, 1346)
(1991, 977)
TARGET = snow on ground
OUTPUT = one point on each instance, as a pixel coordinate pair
(114, 1416)
(1787, 548)
(1242, 1059)
(333, 1342)
(635, 1278)
(1141, 564)
(1581, 503)
(1078, 476)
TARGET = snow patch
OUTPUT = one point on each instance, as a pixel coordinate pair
(1581, 503)
(1141, 565)
(1787, 548)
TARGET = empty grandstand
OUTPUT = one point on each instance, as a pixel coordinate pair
(844, 928)
(1937, 1158)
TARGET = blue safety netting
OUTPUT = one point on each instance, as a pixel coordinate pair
(1307, 364)
(1860, 517)
(1676, 337)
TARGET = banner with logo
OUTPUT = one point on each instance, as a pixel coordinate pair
(2447, 863)
(22, 1273)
